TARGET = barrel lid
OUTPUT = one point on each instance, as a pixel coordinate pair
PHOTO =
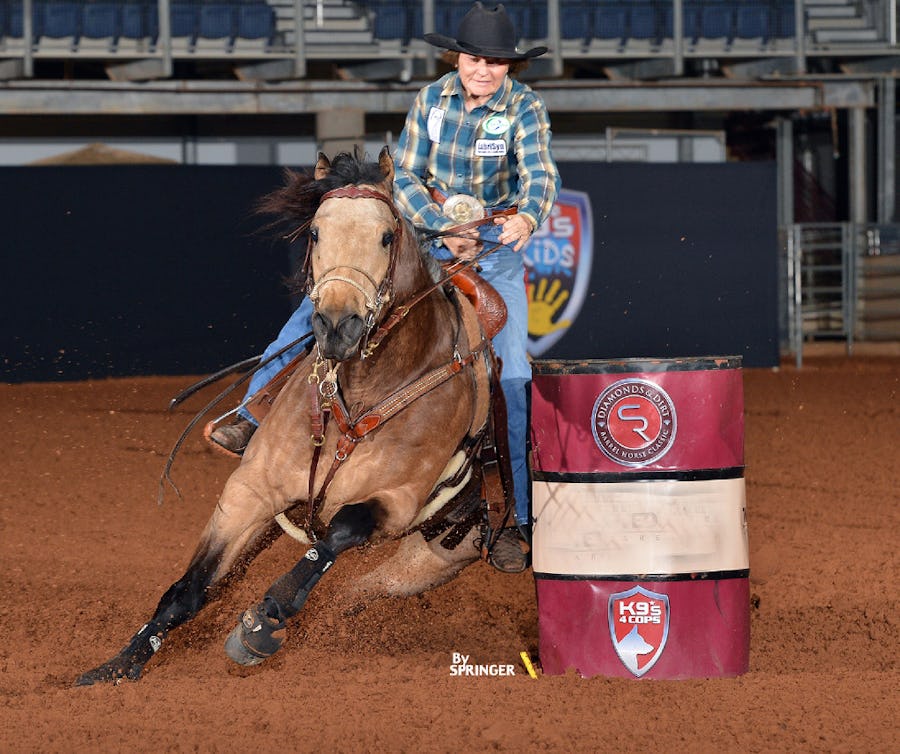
(631, 365)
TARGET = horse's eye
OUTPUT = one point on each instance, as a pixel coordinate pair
(314, 235)
(388, 238)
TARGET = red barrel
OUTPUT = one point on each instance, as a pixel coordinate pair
(640, 551)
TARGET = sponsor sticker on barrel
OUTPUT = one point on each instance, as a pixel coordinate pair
(634, 422)
(638, 627)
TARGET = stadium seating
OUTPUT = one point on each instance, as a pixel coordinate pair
(255, 26)
(101, 20)
(575, 20)
(610, 21)
(60, 20)
(390, 20)
(717, 21)
(216, 21)
(222, 27)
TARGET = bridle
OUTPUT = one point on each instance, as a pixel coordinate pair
(380, 292)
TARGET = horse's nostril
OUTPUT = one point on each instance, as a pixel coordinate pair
(351, 329)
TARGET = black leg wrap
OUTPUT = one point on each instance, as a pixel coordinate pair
(129, 663)
(288, 595)
(261, 630)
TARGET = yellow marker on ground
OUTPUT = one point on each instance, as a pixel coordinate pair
(528, 666)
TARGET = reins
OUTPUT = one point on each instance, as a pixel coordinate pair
(260, 363)
(401, 310)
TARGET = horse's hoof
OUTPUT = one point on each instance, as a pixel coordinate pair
(255, 638)
(115, 671)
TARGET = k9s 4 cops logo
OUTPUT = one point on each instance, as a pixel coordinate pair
(638, 627)
(634, 422)
(558, 268)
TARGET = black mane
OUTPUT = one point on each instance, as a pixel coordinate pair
(351, 170)
(292, 206)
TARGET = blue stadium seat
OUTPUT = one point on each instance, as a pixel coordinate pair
(183, 20)
(255, 21)
(717, 21)
(101, 20)
(610, 21)
(61, 20)
(390, 20)
(644, 22)
(415, 20)
(574, 20)
(785, 21)
(752, 22)
(216, 21)
(530, 18)
(135, 23)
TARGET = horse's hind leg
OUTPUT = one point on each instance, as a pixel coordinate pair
(261, 630)
(418, 566)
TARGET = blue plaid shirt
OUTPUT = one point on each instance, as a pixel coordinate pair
(499, 153)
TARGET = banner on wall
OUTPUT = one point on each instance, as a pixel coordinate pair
(558, 269)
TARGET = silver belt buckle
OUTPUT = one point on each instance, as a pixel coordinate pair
(462, 208)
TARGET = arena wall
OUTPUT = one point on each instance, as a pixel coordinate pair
(157, 269)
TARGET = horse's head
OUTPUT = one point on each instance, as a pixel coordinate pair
(354, 241)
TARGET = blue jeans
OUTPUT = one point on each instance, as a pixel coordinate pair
(298, 324)
(505, 270)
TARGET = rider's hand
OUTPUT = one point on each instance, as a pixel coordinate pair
(515, 231)
(463, 247)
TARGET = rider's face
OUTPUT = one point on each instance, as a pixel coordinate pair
(481, 77)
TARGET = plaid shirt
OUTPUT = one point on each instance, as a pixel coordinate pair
(499, 153)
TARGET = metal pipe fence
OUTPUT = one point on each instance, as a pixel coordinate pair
(842, 283)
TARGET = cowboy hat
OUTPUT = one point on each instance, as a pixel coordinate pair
(485, 33)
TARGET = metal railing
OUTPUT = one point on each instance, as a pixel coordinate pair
(671, 30)
(835, 271)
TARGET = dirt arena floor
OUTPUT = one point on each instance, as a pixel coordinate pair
(86, 552)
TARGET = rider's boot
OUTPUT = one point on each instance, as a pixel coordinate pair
(510, 552)
(233, 437)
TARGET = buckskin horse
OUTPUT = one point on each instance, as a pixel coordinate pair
(375, 436)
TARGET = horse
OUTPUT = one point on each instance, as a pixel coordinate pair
(373, 438)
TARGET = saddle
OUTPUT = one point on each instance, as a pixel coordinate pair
(489, 305)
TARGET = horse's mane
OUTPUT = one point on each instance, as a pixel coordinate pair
(293, 205)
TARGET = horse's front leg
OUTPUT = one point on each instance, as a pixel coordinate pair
(237, 527)
(261, 630)
(180, 603)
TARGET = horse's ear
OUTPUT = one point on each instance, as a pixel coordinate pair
(323, 167)
(386, 163)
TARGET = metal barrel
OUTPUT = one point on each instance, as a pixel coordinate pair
(640, 552)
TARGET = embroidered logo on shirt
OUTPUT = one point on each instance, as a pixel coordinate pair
(490, 147)
(496, 125)
(435, 119)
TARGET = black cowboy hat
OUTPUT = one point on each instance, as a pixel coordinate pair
(485, 33)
